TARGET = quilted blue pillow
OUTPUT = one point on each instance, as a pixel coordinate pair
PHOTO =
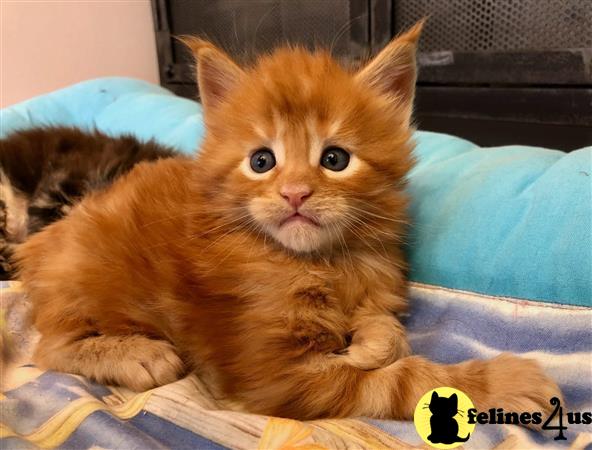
(510, 221)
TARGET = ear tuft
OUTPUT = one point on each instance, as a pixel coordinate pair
(412, 34)
(217, 73)
(393, 71)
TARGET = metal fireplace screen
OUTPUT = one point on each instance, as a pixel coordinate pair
(247, 28)
(499, 25)
(494, 71)
(516, 42)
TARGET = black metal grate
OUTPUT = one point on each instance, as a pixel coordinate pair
(499, 25)
(248, 28)
(493, 71)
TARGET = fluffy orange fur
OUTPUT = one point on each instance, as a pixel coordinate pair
(189, 264)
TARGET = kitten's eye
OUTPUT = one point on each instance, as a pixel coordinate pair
(262, 160)
(335, 158)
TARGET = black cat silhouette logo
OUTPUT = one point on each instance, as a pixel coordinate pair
(440, 418)
(444, 425)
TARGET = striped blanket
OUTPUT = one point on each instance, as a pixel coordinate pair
(49, 409)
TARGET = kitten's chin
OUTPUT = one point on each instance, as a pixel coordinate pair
(300, 237)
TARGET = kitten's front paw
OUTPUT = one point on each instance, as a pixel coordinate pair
(150, 366)
(372, 348)
(517, 384)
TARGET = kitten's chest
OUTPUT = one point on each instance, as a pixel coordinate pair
(313, 304)
(322, 286)
(316, 318)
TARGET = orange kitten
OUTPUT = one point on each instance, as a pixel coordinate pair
(253, 263)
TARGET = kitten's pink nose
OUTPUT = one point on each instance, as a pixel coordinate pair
(295, 194)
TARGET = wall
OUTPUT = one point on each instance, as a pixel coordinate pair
(49, 44)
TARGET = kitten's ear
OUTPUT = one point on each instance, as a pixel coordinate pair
(454, 399)
(393, 71)
(217, 73)
(434, 396)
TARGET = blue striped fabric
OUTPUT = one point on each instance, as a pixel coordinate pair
(52, 409)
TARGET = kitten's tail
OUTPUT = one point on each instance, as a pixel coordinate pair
(392, 392)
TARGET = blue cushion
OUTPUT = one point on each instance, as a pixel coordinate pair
(510, 221)
(115, 106)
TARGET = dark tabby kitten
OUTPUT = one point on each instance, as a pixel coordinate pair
(44, 171)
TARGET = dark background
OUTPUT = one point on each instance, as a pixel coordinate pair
(493, 71)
